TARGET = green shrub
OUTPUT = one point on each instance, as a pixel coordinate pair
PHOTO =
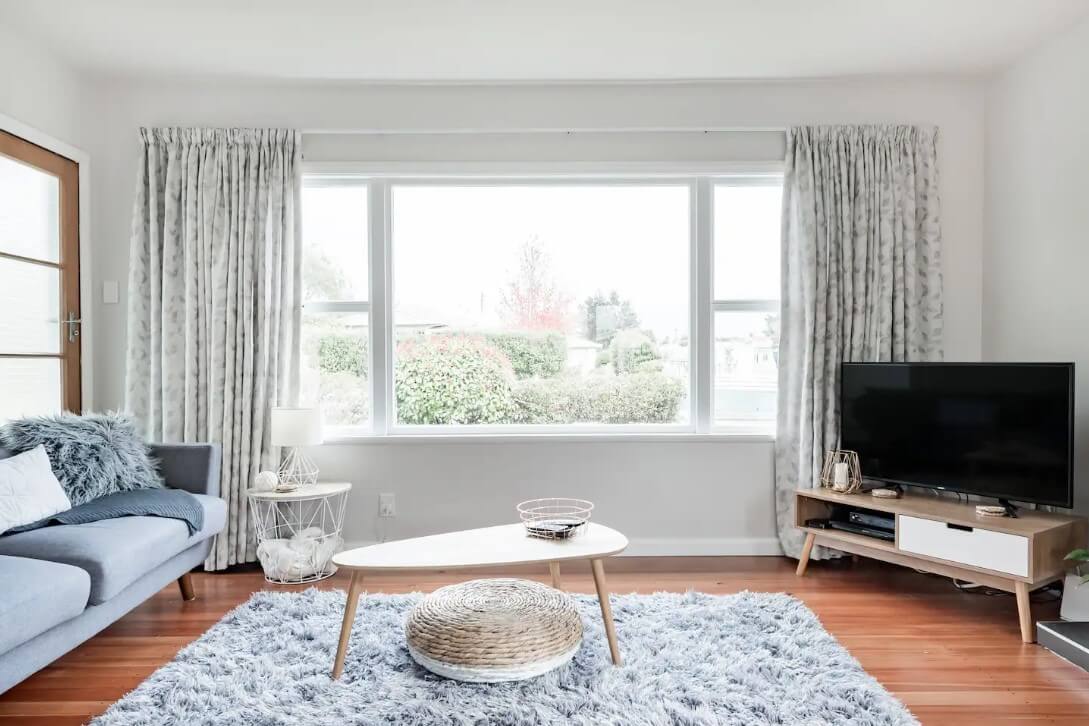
(630, 349)
(345, 399)
(341, 353)
(642, 397)
(453, 379)
(531, 355)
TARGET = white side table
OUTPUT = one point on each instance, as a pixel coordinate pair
(298, 532)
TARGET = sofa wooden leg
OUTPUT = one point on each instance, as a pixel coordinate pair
(185, 584)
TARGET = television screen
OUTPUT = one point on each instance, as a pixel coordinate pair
(994, 429)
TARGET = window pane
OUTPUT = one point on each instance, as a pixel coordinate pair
(32, 387)
(746, 358)
(541, 304)
(335, 236)
(29, 307)
(335, 366)
(747, 221)
(29, 211)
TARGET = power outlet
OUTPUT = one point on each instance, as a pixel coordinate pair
(387, 506)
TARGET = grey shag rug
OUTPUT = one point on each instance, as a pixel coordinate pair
(691, 659)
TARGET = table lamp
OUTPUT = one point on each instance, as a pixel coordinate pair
(294, 428)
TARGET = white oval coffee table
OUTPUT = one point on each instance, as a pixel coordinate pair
(506, 544)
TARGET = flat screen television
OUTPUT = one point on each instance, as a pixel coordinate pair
(1002, 430)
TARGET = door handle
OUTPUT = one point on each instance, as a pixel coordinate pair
(73, 324)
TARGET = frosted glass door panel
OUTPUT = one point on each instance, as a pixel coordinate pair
(30, 297)
(29, 215)
(31, 386)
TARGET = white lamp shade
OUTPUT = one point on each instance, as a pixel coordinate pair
(296, 427)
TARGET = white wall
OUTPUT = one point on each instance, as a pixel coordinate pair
(699, 497)
(1036, 254)
(38, 90)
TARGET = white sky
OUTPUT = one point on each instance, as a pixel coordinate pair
(456, 247)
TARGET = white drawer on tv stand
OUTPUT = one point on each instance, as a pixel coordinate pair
(971, 546)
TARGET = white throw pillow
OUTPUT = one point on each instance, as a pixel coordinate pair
(28, 490)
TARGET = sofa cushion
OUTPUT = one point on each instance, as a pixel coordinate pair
(92, 455)
(35, 595)
(115, 552)
(28, 490)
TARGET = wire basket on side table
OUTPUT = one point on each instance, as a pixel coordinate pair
(298, 532)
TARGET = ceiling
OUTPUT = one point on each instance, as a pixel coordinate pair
(545, 40)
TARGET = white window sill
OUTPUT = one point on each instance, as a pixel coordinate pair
(716, 437)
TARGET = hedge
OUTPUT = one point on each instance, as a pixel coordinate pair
(345, 398)
(532, 355)
(641, 397)
(631, 349)
(342, 353)
(447, 379)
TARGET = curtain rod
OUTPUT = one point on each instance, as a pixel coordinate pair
(545, 130)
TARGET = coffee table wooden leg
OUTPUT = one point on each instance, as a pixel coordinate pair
(606, 609)
(554, 569)
(346, 626)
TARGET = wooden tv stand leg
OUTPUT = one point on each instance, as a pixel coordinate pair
(1024, 612)
(807, 548)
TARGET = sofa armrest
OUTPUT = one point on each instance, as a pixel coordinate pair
(192, 467)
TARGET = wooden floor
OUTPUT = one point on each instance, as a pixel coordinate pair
(950, 656)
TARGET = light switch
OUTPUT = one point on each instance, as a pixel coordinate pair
(110, 294)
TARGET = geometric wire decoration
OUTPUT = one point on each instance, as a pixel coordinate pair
(296, 470)
(297, 537)
(853, 482)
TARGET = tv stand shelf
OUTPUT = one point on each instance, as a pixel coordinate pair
(948, 538)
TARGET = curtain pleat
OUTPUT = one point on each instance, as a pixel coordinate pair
(861, 281)
(214, 300)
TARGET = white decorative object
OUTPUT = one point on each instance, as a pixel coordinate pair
(885, 493)
(489, 631)
(29, 490)
(298, 532)
(1075, 599)
(294, 428)
(556, 517)
(266, 481)
(839, 475)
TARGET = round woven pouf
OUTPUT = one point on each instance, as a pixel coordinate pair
(487, 631)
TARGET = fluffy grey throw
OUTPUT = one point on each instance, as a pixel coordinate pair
(169, 503)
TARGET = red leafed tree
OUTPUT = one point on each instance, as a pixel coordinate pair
(532, 300)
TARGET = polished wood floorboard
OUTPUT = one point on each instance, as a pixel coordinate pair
(952, 657)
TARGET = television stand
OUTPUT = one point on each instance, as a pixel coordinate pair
(1011, 509)
(948, 538)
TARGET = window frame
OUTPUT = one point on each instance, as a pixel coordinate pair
(700, 178)
(735, 304)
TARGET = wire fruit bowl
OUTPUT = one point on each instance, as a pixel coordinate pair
(556, 517)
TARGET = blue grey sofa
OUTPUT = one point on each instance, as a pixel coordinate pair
(60, 585)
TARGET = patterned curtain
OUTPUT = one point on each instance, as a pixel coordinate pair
(214, 284)
(861, 281)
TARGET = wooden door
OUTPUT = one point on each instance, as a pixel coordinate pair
(39, 281)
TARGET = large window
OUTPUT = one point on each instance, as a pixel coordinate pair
(541, 305)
